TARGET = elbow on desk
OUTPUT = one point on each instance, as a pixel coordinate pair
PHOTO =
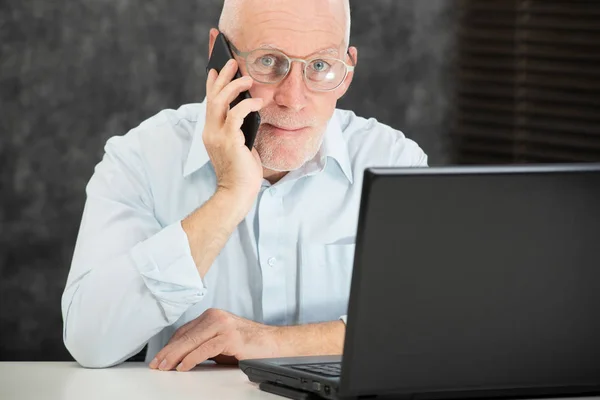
(90, 347)
(90, 353)
(90, 342)
(85, 343)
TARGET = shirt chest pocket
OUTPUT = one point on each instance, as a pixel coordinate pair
(325, 273)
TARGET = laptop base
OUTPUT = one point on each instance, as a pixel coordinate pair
(287, 392)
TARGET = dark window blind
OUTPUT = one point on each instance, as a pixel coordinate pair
(528, 83)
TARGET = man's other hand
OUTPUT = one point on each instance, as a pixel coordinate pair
(218, 335)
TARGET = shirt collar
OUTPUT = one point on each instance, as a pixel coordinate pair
(334, 146)
(197, 156)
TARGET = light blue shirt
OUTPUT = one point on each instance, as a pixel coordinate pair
(133, 280)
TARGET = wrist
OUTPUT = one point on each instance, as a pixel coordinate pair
(235, 202)
(275, 340)
(325, 338)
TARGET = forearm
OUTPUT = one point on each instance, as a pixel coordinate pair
(310, 340)
(208, 229)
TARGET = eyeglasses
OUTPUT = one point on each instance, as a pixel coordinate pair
(270, 66)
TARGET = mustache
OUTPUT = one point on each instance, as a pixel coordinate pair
(286, 120)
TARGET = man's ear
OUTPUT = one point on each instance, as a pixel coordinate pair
(212, 38)
(350, 59)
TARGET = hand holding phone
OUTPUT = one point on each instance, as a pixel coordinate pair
(238, 171)
(221, 54)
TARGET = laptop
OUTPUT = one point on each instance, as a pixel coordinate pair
(468, 282)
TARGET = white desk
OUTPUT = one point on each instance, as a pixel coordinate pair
(129, 381)
(56, 380)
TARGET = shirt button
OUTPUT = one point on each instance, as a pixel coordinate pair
(272, 261)
(273, 191)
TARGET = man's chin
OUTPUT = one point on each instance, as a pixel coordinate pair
(282, 158)
(282, 166)
(288, 152)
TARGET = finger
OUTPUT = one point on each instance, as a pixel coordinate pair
(180, 332)
(235, 116)
(210, 349)
(173, 353)
(225, 76)
(233, 90)
(210, 81)
(219, 105)
(186, 327)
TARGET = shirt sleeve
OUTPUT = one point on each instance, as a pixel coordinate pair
(130, 276)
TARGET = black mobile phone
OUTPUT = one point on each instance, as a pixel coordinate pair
(221, 53)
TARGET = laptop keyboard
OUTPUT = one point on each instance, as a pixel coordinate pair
(325, 369)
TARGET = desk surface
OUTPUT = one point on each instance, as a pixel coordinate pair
(131, 381)
(64, 380)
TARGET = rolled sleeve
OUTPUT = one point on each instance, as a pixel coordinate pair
(166, 265)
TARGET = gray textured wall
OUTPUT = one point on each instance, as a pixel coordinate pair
(74, 73)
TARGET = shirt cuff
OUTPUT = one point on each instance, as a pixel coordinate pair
(345, 319)
(165, 263)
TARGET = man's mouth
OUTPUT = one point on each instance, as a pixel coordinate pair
(289, 129)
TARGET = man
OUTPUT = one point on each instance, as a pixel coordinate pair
(202, 249)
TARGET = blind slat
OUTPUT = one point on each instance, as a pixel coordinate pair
(546, 110)
(528, 81)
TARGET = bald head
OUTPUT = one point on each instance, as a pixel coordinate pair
(234, 12)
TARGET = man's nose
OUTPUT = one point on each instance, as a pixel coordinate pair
(292, 91)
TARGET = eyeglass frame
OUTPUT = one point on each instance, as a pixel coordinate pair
(244, 55)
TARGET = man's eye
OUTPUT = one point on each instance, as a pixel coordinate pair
(267, 61)
(320, 66)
